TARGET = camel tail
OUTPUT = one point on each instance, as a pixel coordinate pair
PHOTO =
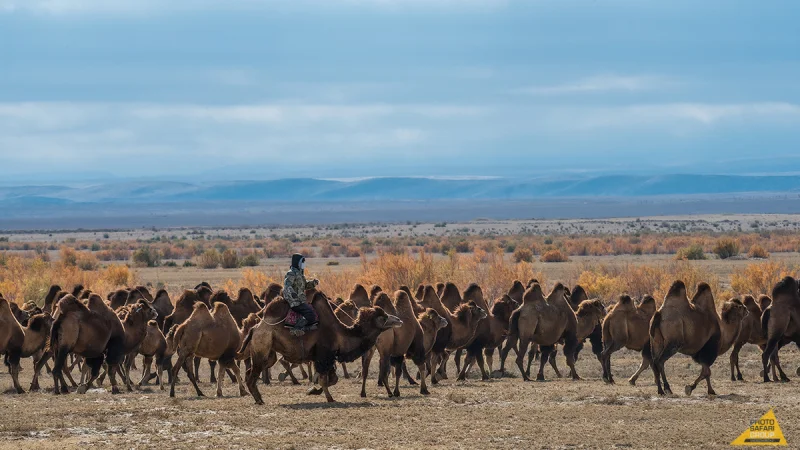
(172, 338)
(242, 353)
(52, 343)
(656, 338)
(765, 322)
(513, 327)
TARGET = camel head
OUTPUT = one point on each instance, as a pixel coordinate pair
(221, 296)
(40, 322)
(594, 308)
(376, 317)
(271, 292)
(475, 312)
(503, 307)
(141, 310)
(204, 294)
(733, 311)
(431, 320)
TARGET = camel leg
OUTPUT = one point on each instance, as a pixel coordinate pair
(511, 341)
(605, 360)
(552, 360)
(303, 373)
(323, 381)
(436, 358)
(408, 376)
(344, 371)
(705, 374)
(423, 387)
(646, 361)
(92, 365)
(543, 358)
(148, 361)
(13, 369)
(398, 372)
(237, 374)
(59, 358)
(484, 374)
(534, 350)
(112, 377)
(37, 368)
(364, 372)
(288, 368)
(488, 354)
(457, 360)
(734, 361)
(258, 365)
(570, 344)
(523, 346)
(766, 355)
(383, 373)
(468, 361)
(441, 372)
(776, 364)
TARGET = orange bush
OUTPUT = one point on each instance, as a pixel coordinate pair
(554, 255)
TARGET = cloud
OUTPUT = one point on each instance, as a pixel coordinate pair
(602, 83)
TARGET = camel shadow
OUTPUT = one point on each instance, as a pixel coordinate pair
(334, 405)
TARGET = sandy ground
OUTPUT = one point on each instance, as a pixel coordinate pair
(506, 413)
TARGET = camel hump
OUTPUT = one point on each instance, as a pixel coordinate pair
(676, 296)
(785, 290)
(647, 305)
(557, 293)
(579, 294)
(383, 301)
(533, 294)
(624, 303)
(704, 298)
(764, 301)
(152, 323)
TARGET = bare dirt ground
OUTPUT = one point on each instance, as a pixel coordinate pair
(504, 413)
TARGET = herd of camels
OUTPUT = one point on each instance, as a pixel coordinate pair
(104, 336)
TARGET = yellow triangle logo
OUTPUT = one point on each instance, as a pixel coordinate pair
(764, 431)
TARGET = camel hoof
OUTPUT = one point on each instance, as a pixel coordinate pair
(497, 374)
(712, 393)
(20, 391)
(219, 395)
(785, 379)
(115, 390)
(242, 393)
(81, 389)
(34, 388)
(740, 377)
(539, 377)
(363, 395)
(397, 393)
(259, 402)
(424, 392)
(281, 377)
(688, 390)
(314, 391)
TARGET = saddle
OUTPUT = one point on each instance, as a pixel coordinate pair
(292, 318)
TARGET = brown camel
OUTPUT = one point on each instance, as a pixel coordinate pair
(360, 297)
(544, 322)
(134, 322)
(90, 330)
(184, 308)
(490, 334)
(207, 334)
(627, 325)
(459, 332)
(374, 290)
(517, 291)
(50, 299)
(781, 322)
(154, 349)
(17, 341)
(752, 333)
(450, 296)
(163, 306)
(692, 328)
(240, 308)
(332, 341)
(273, 291)
(439, 289)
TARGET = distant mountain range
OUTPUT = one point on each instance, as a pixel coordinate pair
(393, 189)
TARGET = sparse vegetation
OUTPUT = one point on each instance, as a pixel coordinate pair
(554, 255)
(726, 248)
(693, 252)
(758, 252)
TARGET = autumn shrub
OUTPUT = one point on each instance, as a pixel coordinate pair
(726, 248)
(759, 278)
(692, 253)
(229, 259)
(250, 260)
(554, 255)
(209, 259)
(68, 256)
(523, 255)
(146, 256)
(87, 261)
(757, 251)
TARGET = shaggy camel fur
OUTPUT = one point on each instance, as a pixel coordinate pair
(781, 322)
(90, 330)
(627, 325)
(332, 341)
(207, 334)
(163, 306)
(450, 296)
(459, 332)
(154, 349)
(244, 305)
(692, 328)
(273, 291)
(751, 333)
(490, 334)
(17, 341)
(544, 322)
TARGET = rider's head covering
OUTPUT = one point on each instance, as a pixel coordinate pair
(298, 260)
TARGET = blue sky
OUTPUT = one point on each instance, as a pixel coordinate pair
(190, 89)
